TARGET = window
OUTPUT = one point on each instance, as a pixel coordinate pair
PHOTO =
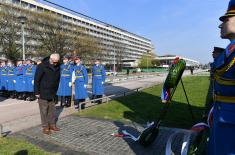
(32, 6)
(16, 1)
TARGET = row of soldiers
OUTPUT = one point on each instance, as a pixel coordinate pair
(77, 73)
(17, 81)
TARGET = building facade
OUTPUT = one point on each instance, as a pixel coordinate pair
(111, 38)
(166, 61)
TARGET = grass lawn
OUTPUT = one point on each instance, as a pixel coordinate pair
(145, 106)
(10, 146)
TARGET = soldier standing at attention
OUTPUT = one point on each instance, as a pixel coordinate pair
(29, 80)
(11, 78)
(98, 79)
(64, 91)
(222, 134)
(19, 81)
(80, 78)
(3, 73)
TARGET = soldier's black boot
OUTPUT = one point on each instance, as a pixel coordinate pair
(32, 97)
(76, 104)
(6, 94)
(92, 98)
(62, 101)
(99, 101)
(82, 104)
(14, 94)
(20, 96)
(25, 95)
(68, 101)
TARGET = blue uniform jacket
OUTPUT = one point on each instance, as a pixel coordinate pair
(81, 81)
(20, 83)
(3, 73)
(222, 136)
(11, 77)
(65, 89)
(29, 78)
(98, 79)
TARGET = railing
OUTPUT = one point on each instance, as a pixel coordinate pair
(106, 99)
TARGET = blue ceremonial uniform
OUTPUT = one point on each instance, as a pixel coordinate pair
(3, 73)
(65, 78)
(222, 135)
(29, 73)
(11, 77)
(20, 83)
(80, 82)
(98, 79)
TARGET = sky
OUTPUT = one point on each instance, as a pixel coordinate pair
(186, 28)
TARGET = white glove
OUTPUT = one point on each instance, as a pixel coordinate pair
(32, 82)
(85, 86)
(70, 84)
(14, 81)
(102, 82)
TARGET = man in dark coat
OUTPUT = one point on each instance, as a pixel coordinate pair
(46, 83)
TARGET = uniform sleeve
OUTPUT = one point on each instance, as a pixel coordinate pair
(85, 75)
(37, 79)
(103, 74)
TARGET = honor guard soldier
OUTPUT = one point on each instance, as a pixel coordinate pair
(30, 70)
(222, 134)
(80, 78)
(11, 77)
(19, 81)
(64, 91)
(98, 79)
(3, 75)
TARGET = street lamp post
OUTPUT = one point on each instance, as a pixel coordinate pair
(22, 20)
(114, 65)
(147, 62)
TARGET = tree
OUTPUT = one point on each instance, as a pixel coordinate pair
(155, 62)
(146, 61)
(86, 46)
(51, 34)
(119, 51)
(9, 31)
(56, 35)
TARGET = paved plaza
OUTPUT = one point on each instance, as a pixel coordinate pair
(91, 136)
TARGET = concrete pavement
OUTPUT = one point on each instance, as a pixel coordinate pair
(85, 136)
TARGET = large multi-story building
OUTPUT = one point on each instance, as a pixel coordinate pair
(133, 46)
(167, 60)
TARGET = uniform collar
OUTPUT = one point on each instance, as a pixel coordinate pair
(230, 48)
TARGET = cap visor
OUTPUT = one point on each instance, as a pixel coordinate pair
(222, 18)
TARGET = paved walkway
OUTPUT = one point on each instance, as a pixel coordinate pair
(90, 136)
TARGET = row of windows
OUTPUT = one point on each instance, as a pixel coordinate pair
(24, 4)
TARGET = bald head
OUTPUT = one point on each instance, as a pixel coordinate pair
(54, 58)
